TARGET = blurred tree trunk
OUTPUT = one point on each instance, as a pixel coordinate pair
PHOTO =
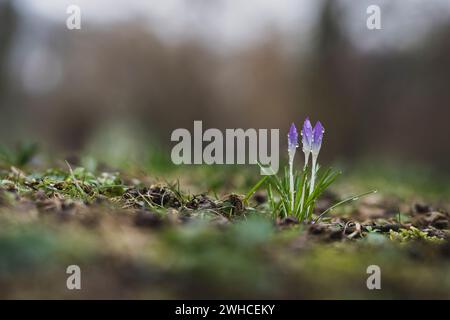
(8, 19)
(8, 22)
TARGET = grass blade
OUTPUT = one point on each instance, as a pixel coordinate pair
(353, 198)
(255, 187)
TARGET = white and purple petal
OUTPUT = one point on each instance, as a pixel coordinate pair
(307, 136)
(292, 138)
(318, 132)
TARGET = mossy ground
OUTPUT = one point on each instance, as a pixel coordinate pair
(191, 235)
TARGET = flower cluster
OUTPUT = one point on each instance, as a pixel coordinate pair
(311, 144)
(311, 140)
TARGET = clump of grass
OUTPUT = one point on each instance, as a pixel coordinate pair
(156, 197)
(75, 183)
(161, 197)
(19, 156)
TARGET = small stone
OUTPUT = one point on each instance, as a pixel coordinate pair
(421, 208)
(147, 219)
(260, 197)
(290, 220)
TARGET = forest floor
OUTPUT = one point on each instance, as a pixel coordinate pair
(191, 235)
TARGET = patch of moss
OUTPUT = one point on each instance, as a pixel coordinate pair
(412, 233)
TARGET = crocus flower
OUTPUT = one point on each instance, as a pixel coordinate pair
(292, 139)
(318, 132)
(292, 146)
(307, 139)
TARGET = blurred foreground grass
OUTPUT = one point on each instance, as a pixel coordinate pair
(248, 260)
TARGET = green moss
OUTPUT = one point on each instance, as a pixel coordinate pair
(412, 233)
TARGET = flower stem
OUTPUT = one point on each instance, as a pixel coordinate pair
(313, 174)
(291, 182)
(304, 184)
(313, 180)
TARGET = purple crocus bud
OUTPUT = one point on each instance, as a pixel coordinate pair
(307, 136)
(317, 138)
(292, 138)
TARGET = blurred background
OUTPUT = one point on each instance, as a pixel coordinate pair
(138, 69)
